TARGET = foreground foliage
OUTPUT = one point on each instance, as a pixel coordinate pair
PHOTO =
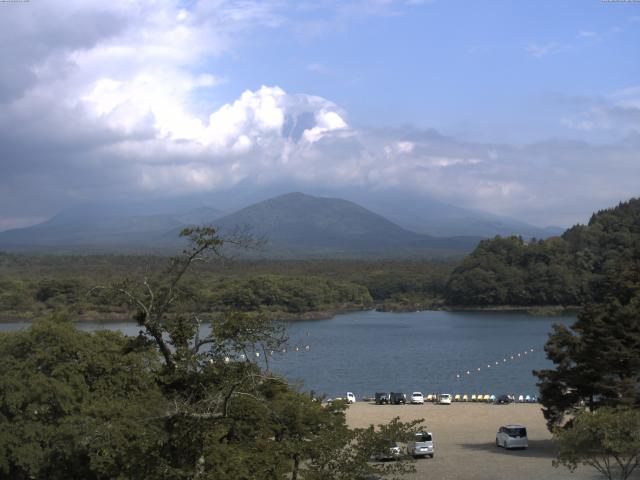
(171, 403)
(597, 360)
(78, 405)
(591, 398)
(607, 440)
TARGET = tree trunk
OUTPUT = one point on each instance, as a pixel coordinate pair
(296, 467)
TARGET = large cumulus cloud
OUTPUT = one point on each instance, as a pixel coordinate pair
(107, 101)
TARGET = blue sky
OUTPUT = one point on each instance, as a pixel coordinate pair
(488, 70)
(525, 109)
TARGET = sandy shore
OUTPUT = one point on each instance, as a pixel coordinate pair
(464, 438)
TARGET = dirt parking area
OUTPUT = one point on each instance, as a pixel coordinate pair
(464, 439)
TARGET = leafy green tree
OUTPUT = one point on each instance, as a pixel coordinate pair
(228, 416)
(78, 405)
(607, 440)
(347, 454)
(597, 360)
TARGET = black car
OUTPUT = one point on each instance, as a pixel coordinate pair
(503, 400)
(382, 398)
(398, 398)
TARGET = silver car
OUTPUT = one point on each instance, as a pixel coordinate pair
(512, 436)
(421, 446)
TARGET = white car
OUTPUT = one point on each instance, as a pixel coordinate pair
(391, 451)
(444, 399)
(351, 398)
(417, 398)
(512, 436)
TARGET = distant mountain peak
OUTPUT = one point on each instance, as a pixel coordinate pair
(299, 224)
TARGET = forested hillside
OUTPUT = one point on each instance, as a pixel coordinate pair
(31, 286)
(563, 270)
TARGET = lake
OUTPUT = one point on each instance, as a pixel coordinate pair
(365, 352)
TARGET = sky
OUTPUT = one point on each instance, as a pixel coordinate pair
(525, 109)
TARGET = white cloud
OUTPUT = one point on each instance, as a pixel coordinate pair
(539, 51)
(116, 111)
(617, 113)
(405, 147)
(320, 68)
(587, 34)
(627, 97)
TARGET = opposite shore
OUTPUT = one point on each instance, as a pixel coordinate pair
(325, 314)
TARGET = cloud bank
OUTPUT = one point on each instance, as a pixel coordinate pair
(115, 101)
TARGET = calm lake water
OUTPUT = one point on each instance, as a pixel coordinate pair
(365, 352)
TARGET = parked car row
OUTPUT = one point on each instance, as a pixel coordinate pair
(446, 398)
(418, 398)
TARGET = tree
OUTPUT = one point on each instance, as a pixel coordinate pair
(346, 454)
(228, 416)
(607, 440)
(78, 405)
(597, 360)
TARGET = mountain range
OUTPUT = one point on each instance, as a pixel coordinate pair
(295, 224)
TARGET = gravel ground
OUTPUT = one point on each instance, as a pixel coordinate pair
(464, 440)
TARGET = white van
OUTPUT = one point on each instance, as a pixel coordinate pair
(512, 436)
(444, 399)
(351, 398)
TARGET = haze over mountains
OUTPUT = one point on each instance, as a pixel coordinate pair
(295, 224)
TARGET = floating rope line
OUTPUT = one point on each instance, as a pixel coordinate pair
(515, 356)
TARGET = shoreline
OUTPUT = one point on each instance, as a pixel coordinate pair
(326, 314)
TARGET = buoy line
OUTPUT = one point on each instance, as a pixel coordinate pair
(505, 360)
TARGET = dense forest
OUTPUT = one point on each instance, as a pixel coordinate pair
(565, 270)
(504, 271)
(31, 286)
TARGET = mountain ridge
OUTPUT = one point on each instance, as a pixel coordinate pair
(297, 225)
(303, 223)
